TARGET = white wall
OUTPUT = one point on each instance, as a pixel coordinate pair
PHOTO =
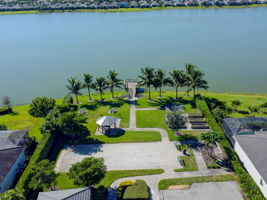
(250, 168)
(10, 178)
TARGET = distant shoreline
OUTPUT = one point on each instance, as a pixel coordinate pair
(128, 9)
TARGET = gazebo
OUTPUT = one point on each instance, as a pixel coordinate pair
(106, 122)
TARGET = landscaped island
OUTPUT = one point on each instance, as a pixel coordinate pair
(159, 133)
(20, 7)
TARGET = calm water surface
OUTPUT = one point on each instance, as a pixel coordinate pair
(38, 52)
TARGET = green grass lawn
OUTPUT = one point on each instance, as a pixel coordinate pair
(130, 136)
(153, 119)
(189, 161)
(63, 181)
(165, 183)
(167, 98)
(22, 120)
(246, 100)
(195, 133)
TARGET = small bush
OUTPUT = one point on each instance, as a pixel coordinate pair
(138, 191)
(122, 187)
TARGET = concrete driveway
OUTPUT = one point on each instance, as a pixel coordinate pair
(123, 156)
(205, 191)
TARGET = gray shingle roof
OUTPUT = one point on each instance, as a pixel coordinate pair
(9, 139)
(255, 146)
(7, 159)
(72, 194)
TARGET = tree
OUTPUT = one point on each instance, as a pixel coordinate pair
(114, 81)
(210, 139)
(176, 120)
(147, 79)
(88, 83)
(101, 85)
(13, 194)
(42, 176)
(253, 110)
(74, 87)
(161, 80)
(189, 69)
(67, 100)
(70, 123)
(178, 79)
(7, 103)
(88, 172)
(197, 81)
(235, 104)
(41, 106)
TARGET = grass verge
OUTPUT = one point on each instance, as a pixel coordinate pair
(165, 183)
(189, 161)
(65, 183)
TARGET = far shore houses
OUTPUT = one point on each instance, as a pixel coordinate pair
(49, 5)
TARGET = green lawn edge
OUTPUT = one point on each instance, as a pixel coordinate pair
(189, 162)
(64, 182)
(165, 183)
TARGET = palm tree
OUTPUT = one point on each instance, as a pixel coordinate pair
(210, 139)
(101, 85)
(189, 69)
(74, 87)
(161, 80)
(88, 83)
(197, 81)
(147, 79)
(178, 79)
(253, 110)
(114, 81)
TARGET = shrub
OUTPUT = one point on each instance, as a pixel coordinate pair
(3, 127)
(39, 154)
(41, 106)
(122, 187)
(13, 194)
(175, 120)
(68, 99)
(247, 183)
(137, 191)
(66, 108)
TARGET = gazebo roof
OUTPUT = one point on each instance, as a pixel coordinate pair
(106, 121)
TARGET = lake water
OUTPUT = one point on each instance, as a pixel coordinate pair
(38, 52)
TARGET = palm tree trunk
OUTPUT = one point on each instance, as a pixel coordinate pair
(101, 95)
(77, 101)
(149, 96)
(112, 92)
(188, 90)
(89, 93)
(194, 90)
(160, 92)
(176, 92)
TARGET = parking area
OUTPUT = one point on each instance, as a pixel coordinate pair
(208, 191)
(123, 156)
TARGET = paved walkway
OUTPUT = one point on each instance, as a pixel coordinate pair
(153, 180)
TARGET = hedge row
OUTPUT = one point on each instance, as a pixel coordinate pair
(248, 185)
(138, 191)
(39, 154)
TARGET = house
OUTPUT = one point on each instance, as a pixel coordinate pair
(124, 4)
(133, 4)
(144, 4)
(72, 194)
(155, 4)
(113, 5)
(248, 137)
(12, 156)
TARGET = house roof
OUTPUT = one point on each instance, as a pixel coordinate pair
(255, 147)
(72, 194)
(7, 159)
(9, 139)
